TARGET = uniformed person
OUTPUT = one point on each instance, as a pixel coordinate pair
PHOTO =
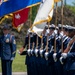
(42, 51)
(8, 50)
(56, 56)
(69, 54)
(66, 40)
(48, 54)
(35, 56)
(29, 58)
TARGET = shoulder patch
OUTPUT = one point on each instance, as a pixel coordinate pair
(7, 40)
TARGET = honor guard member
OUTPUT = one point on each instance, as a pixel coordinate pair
(44, 41)
(48, 55)
(37, 42)
(28, 45)
(69, 54)
(8, 50)
(61, 34)
(56, 56)
(42, 51)
(38, 59)
(34, 56)
(66, 39)
(51, 40)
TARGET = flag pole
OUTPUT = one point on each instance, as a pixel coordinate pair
(30, 24)
(37, 35)
(29, 42)
(62, 23)
(47, 38)
(41, 42)
(30, 16)
(55, 27)
(37, 42)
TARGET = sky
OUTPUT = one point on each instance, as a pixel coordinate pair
(70, 2)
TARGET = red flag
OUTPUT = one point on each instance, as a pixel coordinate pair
(20, 17)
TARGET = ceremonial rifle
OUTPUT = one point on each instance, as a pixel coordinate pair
(41, 48)
(29, 32)
(46, 53)
(36, 49)
(41, 43)
(32, 50)
(55, 29)
(62, 24)
(47, 39)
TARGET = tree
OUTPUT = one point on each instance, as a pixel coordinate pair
(65, 2)
(73, 3)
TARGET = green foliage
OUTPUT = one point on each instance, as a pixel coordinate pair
(72, 8)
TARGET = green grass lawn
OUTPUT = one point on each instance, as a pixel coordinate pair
(18, 63)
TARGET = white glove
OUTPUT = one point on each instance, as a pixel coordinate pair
(61, 60)
(54, 57)
(46, 55)
(41, 51)
(18, 51)
(31, 52)
(64, 55)
(36, 52)
(12, 58)
(28, 51)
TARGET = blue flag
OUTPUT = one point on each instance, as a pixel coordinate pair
(9, 6)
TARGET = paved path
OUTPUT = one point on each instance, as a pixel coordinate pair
(18, 73)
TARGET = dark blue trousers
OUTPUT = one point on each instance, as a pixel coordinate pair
(6, 67)
(71, 72)
(58, 68)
